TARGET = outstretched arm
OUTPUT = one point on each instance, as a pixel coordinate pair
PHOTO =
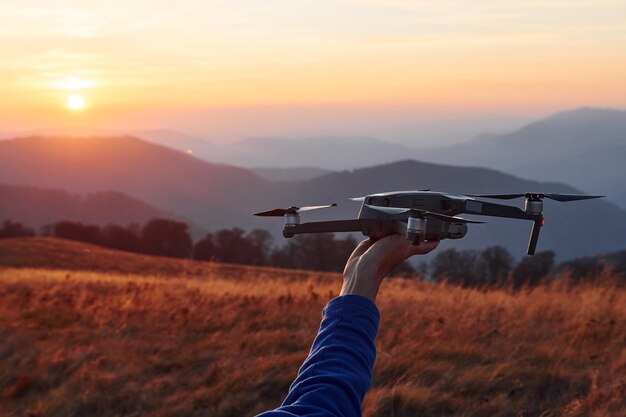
(337, 373)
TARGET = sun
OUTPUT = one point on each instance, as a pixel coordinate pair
(75, 102)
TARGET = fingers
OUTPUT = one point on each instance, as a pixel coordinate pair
(389, 252)
(424, 247)
(394, 245)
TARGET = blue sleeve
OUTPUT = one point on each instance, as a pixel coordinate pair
(338, 371)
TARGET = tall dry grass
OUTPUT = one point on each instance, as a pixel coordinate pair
(229, 341)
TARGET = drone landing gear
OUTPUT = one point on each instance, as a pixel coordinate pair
(534, 236)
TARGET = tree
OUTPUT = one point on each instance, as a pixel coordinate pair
(532, 269)
(166, 237)
(263, 244)
(77, 231)
(122, 238)
(205, 249)
(460, 267)
(234, 247)
(320, 251)
(15, 229)
(496, 264)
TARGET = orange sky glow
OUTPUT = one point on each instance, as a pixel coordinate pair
(143, 64)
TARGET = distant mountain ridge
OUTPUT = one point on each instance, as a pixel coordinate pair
(583, 147)
(290, 174)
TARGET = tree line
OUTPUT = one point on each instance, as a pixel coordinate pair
(171, 238)
(493, 266)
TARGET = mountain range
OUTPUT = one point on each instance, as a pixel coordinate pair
(584, 147)
(216, 196)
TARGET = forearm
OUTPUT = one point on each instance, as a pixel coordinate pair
(337, 373)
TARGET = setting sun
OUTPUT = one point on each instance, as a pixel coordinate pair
(75, 102)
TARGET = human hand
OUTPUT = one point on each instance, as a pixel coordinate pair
(371, 262)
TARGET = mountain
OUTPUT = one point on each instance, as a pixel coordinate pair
(330, 153)
(572, 229)
(170, 180)
(218, 196)
(584, 147)
(37, 207)
(290, 174)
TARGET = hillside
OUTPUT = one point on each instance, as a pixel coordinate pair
(228, 342)
(164, 178)
(55, 253)
(36, 207)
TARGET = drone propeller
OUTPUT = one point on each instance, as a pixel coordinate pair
(443, 217)
(551, 196)
(281, 212)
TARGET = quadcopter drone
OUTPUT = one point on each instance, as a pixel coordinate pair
(423, 215)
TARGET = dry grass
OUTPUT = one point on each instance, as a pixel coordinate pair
(227, 341)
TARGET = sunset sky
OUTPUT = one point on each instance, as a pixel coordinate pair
(235, 69)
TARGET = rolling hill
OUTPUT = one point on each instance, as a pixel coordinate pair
(162, 177)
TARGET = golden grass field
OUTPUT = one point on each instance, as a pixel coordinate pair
(86, 331)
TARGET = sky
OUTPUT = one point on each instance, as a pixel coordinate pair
(406, 71)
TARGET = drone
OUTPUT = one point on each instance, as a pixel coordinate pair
(423, 215)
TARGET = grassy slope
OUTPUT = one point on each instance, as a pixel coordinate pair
(227, 340)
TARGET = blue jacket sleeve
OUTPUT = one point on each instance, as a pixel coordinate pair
(338, 371)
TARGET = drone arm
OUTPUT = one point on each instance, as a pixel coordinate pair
(369, 227)
(501, 210)
(492, 209)
(534, 236)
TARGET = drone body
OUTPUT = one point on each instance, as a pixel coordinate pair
(423, 215)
